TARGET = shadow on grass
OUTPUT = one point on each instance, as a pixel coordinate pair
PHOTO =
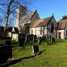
(18, 60)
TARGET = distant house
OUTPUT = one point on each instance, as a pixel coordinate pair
(24, 19)
(12, 32)
(62, 28)
(44, 27)
(15, 33)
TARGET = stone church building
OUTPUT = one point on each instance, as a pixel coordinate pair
(24, 19)
(44, 27)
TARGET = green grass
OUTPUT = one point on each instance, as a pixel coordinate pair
(2, 42)
(55, 55)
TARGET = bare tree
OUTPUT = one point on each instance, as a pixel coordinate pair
(8, 8)
(1, 19)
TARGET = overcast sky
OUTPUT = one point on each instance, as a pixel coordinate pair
(46, 8)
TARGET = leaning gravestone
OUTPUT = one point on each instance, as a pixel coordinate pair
(35, 50)
(5, 53)
(21, 39)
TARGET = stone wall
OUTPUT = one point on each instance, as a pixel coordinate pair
(49, 27)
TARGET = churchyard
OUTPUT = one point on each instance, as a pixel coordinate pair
(52, 54)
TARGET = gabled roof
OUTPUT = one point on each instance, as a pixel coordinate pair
(62, 24)
(27, 17)
(40, 22)
(33, 14)
(15, 30)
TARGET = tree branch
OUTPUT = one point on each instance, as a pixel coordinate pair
(3, 4)
(2, 10)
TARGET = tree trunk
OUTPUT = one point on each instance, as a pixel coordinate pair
(8, 12)
(7, 17)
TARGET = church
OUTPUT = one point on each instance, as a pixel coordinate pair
(24, 19)
(44, 27)
(31, 23)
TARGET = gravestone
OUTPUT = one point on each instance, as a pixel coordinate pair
(5, 53)
(52, 39)
(29, 37)
(34, 38)
(35, 49)
(44, 38)
(39, 40)
(9, 45)
(21, 39)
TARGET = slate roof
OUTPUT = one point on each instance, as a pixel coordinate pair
(41, 22)
(61, 24)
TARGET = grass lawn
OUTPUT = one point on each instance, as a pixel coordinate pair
(55, 55)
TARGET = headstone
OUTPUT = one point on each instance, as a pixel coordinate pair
(44, 38)
(29, 38)
(21, 39)
(35, 49)
(39, 41)
(34, 38)
(52, 39)
(5, 53)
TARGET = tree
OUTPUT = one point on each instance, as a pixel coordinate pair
(1, 19)
(8, 8)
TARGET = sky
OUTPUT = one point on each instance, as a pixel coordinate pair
(47, 8)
